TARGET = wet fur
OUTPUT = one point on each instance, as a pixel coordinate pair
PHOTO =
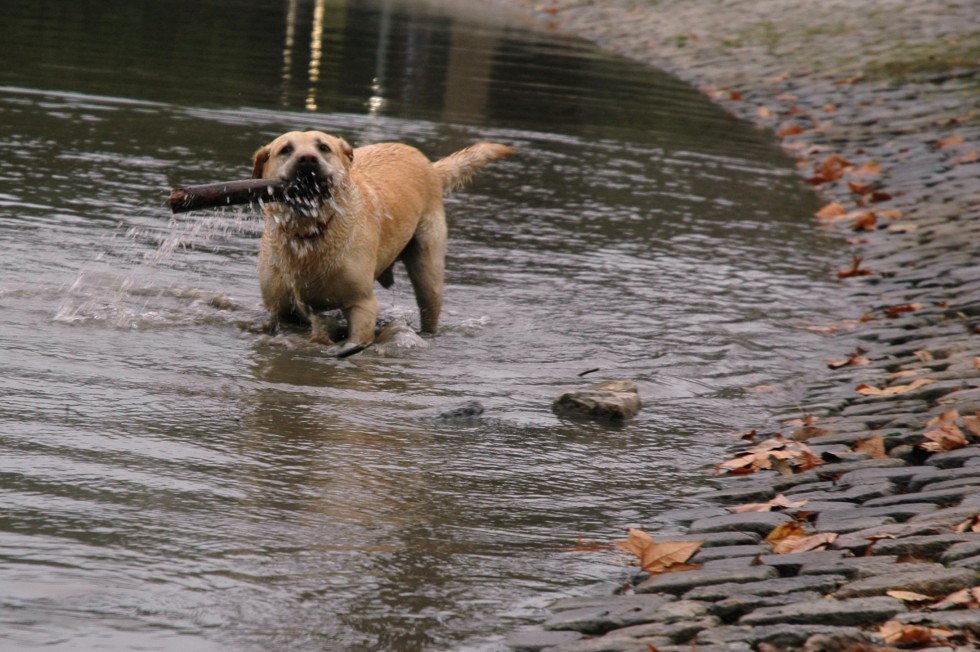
(377, 205)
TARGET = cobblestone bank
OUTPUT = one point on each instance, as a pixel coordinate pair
(879, 101)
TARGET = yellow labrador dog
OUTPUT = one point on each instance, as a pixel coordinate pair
(349, 215)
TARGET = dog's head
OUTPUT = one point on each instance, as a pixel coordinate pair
(311, 163)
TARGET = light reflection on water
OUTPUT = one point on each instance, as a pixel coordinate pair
(171, 481)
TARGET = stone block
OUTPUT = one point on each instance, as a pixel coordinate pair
(759, 522)
(936, 582)
(614, 400)
(613, 612)
(837, 613)
(776, 586)
(679, 583)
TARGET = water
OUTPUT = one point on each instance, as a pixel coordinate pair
(171, 481)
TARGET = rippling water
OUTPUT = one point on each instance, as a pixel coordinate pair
(170, 481)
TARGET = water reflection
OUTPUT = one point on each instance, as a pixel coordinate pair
(173, 481)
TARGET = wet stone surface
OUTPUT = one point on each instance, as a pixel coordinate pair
(904, 520)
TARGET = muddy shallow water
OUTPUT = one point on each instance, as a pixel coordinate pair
(171, 481)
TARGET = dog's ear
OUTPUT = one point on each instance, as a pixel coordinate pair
(258, 165)
(346, 149)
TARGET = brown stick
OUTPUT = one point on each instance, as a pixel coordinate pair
(228, 193)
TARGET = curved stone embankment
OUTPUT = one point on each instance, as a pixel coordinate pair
(880, 103)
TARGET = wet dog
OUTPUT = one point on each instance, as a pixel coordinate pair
(348, 216)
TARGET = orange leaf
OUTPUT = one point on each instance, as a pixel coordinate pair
(870, 390)
(830, 211)
(895, 311)
(868, 169)
(784, 531)
(946, 438)
(964, 598)
(657, 557)
(779, 502)
(764, 113)
(860, 188)
(972, 425)
(950, 140)
(790, 130)
(865, 221)
(896, 632)
(875, 446)
(855, 269)
(794, 544)
(969, 157)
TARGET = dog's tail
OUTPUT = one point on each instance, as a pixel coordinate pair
(457, 169)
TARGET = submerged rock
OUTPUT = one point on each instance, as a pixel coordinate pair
(613, 400)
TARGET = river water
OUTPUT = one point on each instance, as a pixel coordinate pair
(171, 481)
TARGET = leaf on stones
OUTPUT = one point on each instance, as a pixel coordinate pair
(969, 157)
(778, 503)
(891, 214)
(865, 221)
(902, 633)
(962, 599)
(923, 355)
(805, 543)
(950, 140)
(831, 211)
(860, 188)
(790, 130)
(781, 532)
(946, 437)
(855, 269)
(764, 112)
(971, 524)
(830, 169)
(659, 557)
(895, 311)
(909, 596)
(972, 425)
(871, 390)
(855, 359)
(868, 169)
(776, 452)
(874, 446)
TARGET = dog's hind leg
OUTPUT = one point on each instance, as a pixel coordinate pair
(425, 260)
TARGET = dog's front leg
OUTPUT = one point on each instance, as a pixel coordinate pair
(362, 318)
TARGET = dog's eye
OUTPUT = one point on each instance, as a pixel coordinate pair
(286, 151)
(323, 147)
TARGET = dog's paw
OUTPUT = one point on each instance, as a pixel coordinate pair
(346, 349)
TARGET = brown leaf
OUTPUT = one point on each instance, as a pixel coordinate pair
(972, 425)
(950, 140)
(657, 557)
(830, 169)
(964, 598)
(868, 169)
(969, 157)
(860, 188)
(830, 211)
(855, 269)
(909, 596)
(866, 221)
(790, 130)
(855, 359)
(779, 502)
(923, 355)
(794, 544)
(945, 438)
(875, 446)
(784, 531)
(764, 113)
(870, 390)
(895, 311)
(896, 632)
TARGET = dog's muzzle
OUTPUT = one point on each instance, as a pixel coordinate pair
(308, 187)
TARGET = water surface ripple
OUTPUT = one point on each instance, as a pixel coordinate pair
(172, 481)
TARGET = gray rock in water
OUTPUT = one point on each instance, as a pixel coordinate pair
(613, 400)
(468, 410)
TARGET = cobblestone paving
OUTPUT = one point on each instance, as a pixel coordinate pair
(880, 103)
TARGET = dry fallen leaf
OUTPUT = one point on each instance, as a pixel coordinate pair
(868, 169)
(874, 446)
(830, 169)
(830, 211)
(855, 269)
(972, 424)
(945, 438)
(658, 557)
(895, 311)
(964, 598)
(794, 544)
(870, 390)
(896, 632)
(855, 359)
(866, 221)
(790, 130)
(969, 157)
(950, 140)
(923, 355)
(784, 531)
(909, 596)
